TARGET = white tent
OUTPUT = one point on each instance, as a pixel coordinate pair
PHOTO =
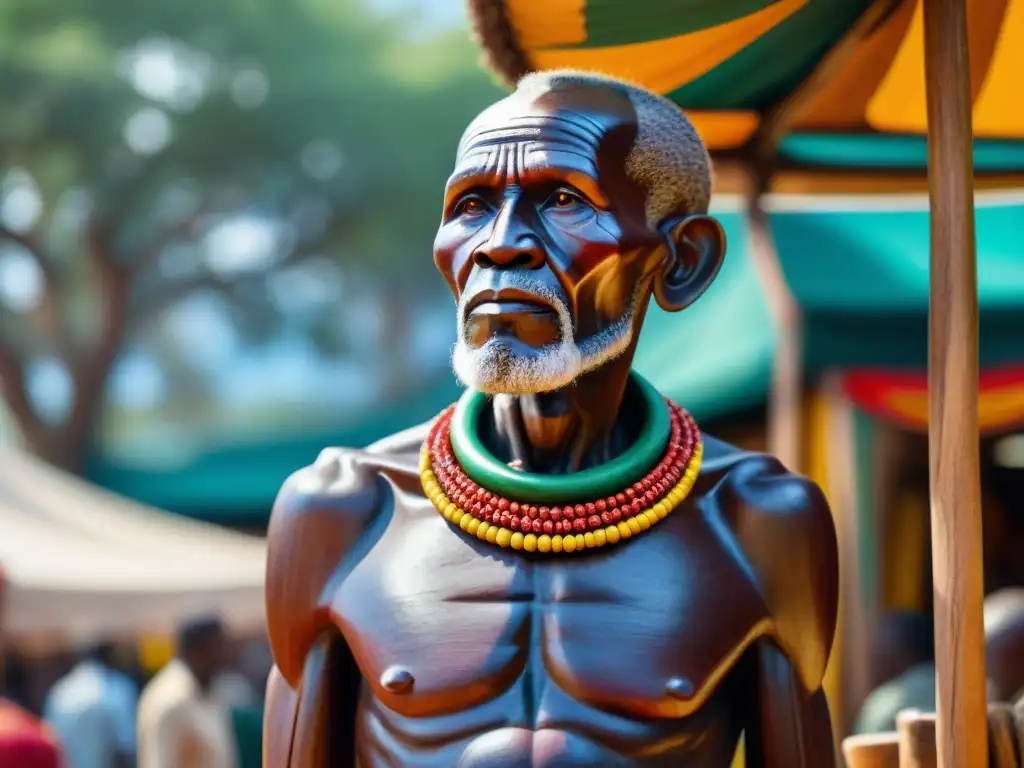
(82, 563)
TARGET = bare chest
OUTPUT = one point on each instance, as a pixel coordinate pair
(440, 622)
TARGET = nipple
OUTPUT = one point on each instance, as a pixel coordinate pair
(397, 680)
(679, 688)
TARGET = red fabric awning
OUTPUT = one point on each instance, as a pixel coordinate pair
(901, 397)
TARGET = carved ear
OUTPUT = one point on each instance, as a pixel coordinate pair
(696, 249)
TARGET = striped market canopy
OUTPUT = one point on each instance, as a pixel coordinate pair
(901, 397)
(827, 84)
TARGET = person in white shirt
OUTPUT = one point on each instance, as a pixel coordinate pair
(92, 710)
(181, 724)
(231, 686)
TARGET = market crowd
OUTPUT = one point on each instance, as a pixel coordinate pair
(202, 709)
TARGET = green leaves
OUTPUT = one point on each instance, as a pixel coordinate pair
(145, 129)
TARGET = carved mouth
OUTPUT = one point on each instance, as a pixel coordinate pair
(507, 300)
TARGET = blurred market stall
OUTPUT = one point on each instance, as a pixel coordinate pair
(83, 564)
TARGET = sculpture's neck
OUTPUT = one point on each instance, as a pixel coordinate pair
(583, 425)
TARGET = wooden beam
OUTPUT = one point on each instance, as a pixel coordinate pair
(732, 179)
(961, 732)
(818, 456)
(785, 404)
(858, 607)
(865, 183)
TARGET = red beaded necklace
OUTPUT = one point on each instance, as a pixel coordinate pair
(519, 524)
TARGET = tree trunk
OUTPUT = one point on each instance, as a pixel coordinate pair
(57, 448)
(67, 445)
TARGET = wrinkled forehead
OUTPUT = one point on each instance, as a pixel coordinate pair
(578, 120)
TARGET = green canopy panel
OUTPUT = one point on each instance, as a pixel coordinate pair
(859, 269)
(716, 356)
(772, 66)
(891, 152)
(899, 340)
(235, 482)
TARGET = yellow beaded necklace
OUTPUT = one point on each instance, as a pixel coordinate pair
(541, 524)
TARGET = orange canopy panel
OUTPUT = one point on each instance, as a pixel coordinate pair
(902, 397)
(881, 86)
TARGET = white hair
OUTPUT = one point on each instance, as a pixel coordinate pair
(668, 156)
(495, 369)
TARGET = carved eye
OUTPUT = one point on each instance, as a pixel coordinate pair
(565, 199)
(469, 206)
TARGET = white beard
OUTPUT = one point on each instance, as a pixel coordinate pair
(495, 368)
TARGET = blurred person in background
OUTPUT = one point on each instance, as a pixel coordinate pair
(906, 653)
(1004, 644)
(25, 742)
(244, 695)
(234, 689)
(181, 723)
(92, 709)
(904, 663)
(231, 686)
(256, 662)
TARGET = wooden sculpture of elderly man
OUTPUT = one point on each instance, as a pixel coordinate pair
(560, 569)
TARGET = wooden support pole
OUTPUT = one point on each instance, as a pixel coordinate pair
(857, 607)
(953, 394)
(785, 400)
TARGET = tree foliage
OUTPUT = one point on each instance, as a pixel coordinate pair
(156, 152)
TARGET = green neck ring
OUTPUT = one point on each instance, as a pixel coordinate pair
(481, 466)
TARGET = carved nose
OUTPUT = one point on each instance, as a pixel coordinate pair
(512, 242)
(525, 253)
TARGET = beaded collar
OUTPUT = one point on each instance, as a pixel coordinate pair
(595, 507)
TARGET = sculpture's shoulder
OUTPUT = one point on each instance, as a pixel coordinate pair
(784, 527)
(319, 514)
(343, 485)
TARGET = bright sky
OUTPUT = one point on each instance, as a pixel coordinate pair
(433, 15)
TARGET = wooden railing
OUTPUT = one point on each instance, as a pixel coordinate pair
(912, 745)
